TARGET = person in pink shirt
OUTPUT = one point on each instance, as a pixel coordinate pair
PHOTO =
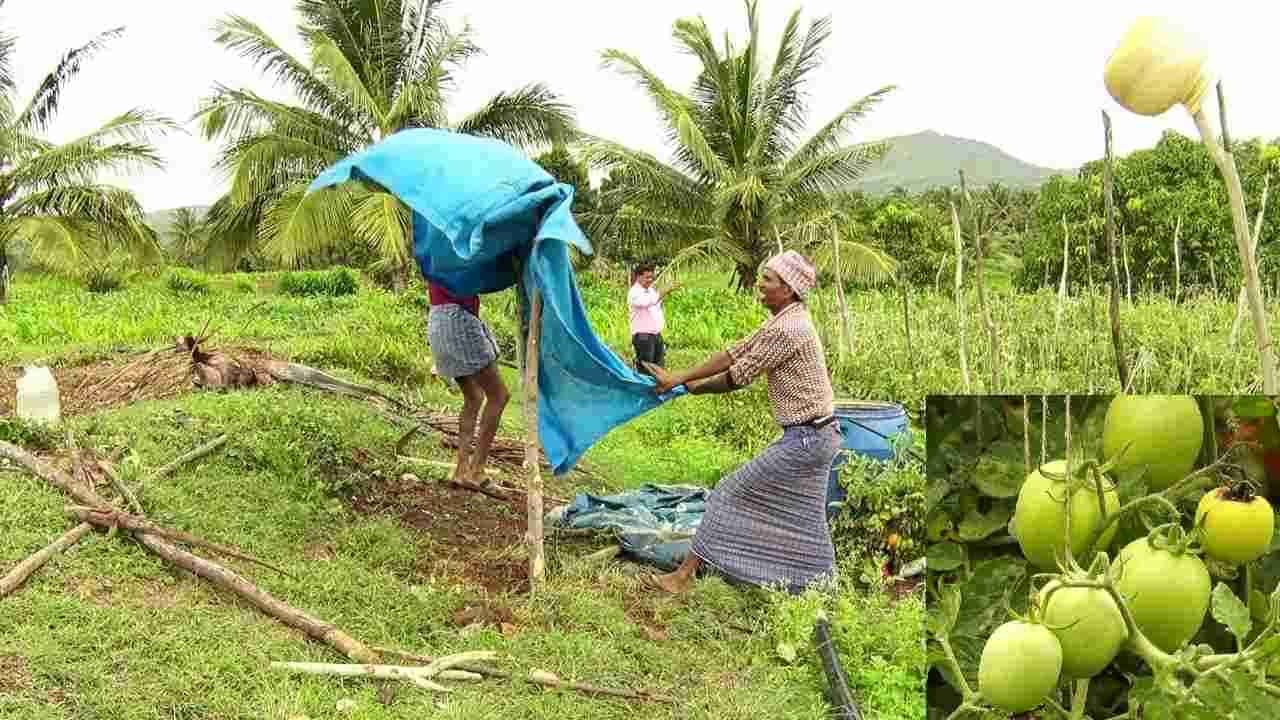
(647, 321)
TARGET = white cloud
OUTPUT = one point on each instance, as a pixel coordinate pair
(1025, 79)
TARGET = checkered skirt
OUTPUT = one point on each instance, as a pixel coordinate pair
(461, 343)
(766, 523)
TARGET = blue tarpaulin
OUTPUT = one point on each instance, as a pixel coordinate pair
(654, 524)
(478, 207)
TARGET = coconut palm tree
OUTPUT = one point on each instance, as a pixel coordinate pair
(51, 200)
(742, 180)
(375, 67)
(187, 235)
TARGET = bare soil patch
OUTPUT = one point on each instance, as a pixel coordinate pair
(470, 537)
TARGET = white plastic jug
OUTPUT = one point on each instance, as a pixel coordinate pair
(38, 395)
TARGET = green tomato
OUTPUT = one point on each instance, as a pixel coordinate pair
(1040, 517)
(1020, 666)
(1166, 431)
(1235, 531)
(1089, 625)
(1167, 594)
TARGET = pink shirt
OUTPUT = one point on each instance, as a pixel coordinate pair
(646, 310)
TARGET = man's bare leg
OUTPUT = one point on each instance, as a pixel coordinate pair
(496, 398)
(472, 399)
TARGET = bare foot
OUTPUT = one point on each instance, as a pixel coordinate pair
(673, 583)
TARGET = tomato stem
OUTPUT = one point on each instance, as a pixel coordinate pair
(1079, 698)
(954, 666)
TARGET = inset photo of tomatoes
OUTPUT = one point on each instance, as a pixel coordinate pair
(1102, 556)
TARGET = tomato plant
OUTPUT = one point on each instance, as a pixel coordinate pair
(1102, 557)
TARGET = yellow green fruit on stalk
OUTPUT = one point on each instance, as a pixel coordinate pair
(1164, 433)
(1020, 666)
(1040, 516)
(1155, 66)
(1234, 531)
(1089, 625)
(1167, 593)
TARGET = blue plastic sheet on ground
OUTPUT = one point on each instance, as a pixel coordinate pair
(479, 207)
(654, 524)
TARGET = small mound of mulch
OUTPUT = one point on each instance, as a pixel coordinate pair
(471, 537)
(127, 378)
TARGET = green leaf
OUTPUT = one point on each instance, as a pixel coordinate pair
(945, 556)
(978, 525)
(1230, 611)
(1001, 472)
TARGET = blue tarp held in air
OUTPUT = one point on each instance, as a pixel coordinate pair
(654, 524)
(478, 206)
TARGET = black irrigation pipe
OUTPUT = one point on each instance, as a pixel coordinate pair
(840, 695)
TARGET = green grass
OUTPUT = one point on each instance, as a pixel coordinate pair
(110, 631)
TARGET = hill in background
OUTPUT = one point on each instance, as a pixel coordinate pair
(928, 159)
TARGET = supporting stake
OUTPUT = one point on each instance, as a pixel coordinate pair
(537, 558)
(1122, 365)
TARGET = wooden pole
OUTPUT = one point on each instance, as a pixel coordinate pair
(959, 242)
(1122, 365)
(533, 536)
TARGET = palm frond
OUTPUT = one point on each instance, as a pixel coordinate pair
(783, 110)
(833, 170)
(80, 162)
(44, 103)
(709, 251)
(238, 113)
(828, 137)
(7, 82)
(859, 262)
(383, 222)
(299, 224)
(251, 42)
(530, 117)
(109, 215)
(644, 179)
(333, 67)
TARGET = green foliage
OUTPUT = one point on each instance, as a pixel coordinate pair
(877, 642)
(335, 282)
(885, 500)
(30, 435)
(182, 280)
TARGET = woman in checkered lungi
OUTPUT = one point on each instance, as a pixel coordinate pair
(766, 523)
(464, 349)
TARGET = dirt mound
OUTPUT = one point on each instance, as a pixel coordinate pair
(472, 537)
(123, 379)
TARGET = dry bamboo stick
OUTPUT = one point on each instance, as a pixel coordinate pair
(420, 676)
(199, 566)
(544, 679)
(197, 453)
(23, 570)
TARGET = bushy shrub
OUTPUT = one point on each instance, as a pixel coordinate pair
(183, 280)
(335, 282)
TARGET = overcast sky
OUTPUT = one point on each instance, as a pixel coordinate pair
(1024, 76)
